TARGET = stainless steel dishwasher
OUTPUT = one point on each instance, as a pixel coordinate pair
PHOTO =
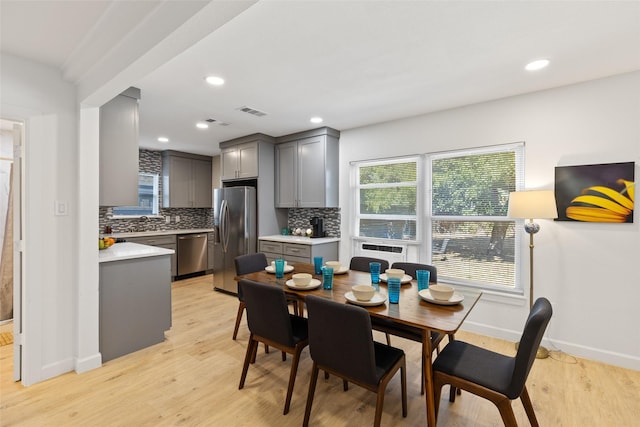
(192, 253)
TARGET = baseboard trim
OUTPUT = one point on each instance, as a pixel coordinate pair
(88, 363)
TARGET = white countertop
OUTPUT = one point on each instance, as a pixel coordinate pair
(122, 251)
(300, 239)
(158, 233)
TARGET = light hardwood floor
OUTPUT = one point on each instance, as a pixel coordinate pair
(191, 379)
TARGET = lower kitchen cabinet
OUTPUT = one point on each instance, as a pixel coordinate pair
(167, 241)
(299, 252)
(135, 304)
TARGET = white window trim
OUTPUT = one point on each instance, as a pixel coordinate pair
(519, 147)
(156, 200)
(419, 184)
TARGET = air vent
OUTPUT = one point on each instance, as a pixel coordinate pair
(218, 122)
(253, 111)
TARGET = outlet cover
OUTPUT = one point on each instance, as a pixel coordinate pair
(177, 218)
(167, 219)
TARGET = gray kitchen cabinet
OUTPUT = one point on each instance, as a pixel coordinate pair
(307, 169)
(135, 304)
(119, 150)
(239, 161)
(186, 180)
(167, 241)
(297, 252)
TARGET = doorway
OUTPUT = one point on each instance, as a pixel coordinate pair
(11, 136)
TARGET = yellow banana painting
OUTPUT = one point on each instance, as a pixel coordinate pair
(603, 204)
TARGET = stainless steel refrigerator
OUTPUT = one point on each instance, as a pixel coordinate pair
(234, 219)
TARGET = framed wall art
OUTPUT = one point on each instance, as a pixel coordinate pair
(595, 193)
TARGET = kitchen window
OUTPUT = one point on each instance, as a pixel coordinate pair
(148, 191)
(473, 241)
(387, 196)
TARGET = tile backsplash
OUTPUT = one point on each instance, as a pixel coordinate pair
(151, 162)
(301, 218)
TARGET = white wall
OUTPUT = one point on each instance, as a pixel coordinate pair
(38, 95)
(593, 122)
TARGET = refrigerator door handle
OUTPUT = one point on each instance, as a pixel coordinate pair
(225, 225)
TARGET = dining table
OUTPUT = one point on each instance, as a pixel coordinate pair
(411, 310)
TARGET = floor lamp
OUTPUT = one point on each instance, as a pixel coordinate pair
(539, 204)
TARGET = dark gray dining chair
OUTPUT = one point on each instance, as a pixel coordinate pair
(410, 268)
(271, 323)
(341, 343)
(246, 264)
(491, 375)
(361, 263)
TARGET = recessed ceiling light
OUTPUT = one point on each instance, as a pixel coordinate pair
(214, 80)
(163, 139)
(316, 120)
(202, 125)
(537, 65)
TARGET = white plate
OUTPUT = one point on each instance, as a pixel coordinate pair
(287, 269)
(342, 270)
(405, 279)
(377, 299)
(313, 284)
(455, 299)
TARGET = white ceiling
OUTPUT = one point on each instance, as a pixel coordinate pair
(353, 63)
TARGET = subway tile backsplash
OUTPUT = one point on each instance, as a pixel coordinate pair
(190, 218)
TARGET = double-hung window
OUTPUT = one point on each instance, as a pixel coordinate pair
(473, 240)
(148, 192)
(387, 197)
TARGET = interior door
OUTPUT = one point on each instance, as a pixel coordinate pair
(16, 190)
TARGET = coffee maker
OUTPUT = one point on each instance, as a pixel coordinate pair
(317, 227)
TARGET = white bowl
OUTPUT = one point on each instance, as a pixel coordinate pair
(334, 264)
(363, 292)
(441, 292)
(301, 279)
(273, 264)
(395, 272)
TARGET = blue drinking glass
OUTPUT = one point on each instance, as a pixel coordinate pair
(279, 268)
(374, 269)
(393, 286)
(423, 279)
(317, 264)
(327, 278)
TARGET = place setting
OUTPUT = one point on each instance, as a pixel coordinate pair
(303, 282)
(395, 272)
(441, 295)
(365, 295)
(272, 268)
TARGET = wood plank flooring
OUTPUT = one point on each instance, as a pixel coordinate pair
(191, 379)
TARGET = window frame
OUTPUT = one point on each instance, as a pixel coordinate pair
(518, 149)
(155, 210)
(419, 185)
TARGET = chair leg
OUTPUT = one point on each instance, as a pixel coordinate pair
(284, 356)
(528, 407)
(506, 412)
(437, 391)
(252, 345)
(255, 353)
(422, 373)
(241, 307)
(403, 384)
(388, 339)
(345, 385)
(312, 390)
(292, 377)
(379, 404)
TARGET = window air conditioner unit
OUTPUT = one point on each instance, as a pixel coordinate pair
(390, 252)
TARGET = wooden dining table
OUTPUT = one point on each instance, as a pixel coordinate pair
(411, 310)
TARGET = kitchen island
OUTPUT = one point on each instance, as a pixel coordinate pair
(135, 297)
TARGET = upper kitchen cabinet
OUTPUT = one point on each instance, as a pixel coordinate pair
(119, 150)
(239, 161)
(186, 180)
(307, 169)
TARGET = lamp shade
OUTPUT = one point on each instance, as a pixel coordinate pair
(539, 204)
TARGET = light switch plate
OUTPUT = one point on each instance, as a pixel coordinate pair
(60, 208)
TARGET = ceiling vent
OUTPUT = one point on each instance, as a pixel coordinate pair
(253, 111)
(218, 122)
